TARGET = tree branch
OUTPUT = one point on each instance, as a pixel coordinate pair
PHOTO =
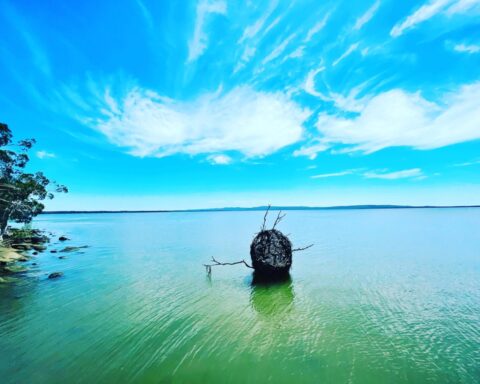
(302, 249)
(278, 219)
(208, 267)
(265, 218)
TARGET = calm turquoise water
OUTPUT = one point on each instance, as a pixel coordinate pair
(384, 296)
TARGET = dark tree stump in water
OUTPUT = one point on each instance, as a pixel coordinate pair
(271, 253)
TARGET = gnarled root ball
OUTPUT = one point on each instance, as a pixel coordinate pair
(271, 253)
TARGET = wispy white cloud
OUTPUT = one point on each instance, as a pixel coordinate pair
(248, 53)
(39, 56)
(352, 48)
(317, 28)
(422, 14)
(145, 13)
(278, 50)
(351, 102)
(398, 118)
(311, 150)
(467, 48)
(299, 52)
(252, 30)
(219, 159)
(468, 163)
(199, 41)
(45, 155)
(433, 8)
(384, 174)
(272, 25)
(309, 85)
(334, 174)
(243, 120)
(404, 174)
(462, 6)
(367, 16)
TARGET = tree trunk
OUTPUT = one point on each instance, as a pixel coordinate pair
(4, 216)
(271, 253)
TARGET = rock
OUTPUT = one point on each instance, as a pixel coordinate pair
(22, 246)
(63, 238)
(34, 264)
(39, 247)
(271, 253)
(53, 251)
(55, 275)
(38, 239)
(35, 253)
(73, 249)
(9, 255)
(7, 280)
(15, 269)
(30, 236)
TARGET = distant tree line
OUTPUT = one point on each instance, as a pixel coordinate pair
(21, 193)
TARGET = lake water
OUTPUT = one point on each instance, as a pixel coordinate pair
(384, 296)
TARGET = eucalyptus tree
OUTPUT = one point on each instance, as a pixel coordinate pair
(21, 193)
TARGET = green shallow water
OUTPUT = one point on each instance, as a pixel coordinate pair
(384, 296)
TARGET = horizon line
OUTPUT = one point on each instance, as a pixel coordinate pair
(262, 208)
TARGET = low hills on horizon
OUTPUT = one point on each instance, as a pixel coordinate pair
(272, 208)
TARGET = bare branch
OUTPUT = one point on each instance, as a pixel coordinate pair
(278, 219)
(302, 249)
(208, 267)
(265, 217)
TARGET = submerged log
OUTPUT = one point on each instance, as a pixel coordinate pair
(271, 253)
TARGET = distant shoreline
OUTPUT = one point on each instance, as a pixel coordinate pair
(273, 208)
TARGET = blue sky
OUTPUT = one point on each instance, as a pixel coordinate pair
(143, 104)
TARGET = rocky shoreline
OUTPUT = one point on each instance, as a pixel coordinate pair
(23, 245)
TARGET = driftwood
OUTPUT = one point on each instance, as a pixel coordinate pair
(271, 251)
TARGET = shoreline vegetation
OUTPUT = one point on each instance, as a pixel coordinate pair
(21, 199)
(272, 208)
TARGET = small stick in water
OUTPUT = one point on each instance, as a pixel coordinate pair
(208, 267)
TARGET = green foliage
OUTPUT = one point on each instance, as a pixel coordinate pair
(21, 193)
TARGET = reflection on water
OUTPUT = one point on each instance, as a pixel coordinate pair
(272, 298)
(384, 296)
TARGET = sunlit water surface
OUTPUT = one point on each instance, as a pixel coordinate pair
(384, 296)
